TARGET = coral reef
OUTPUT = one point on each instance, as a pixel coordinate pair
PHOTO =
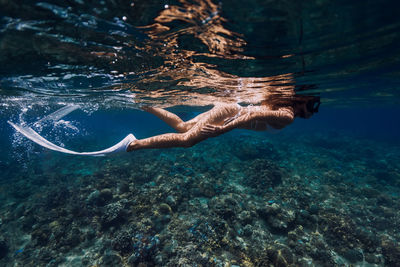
(209, 205)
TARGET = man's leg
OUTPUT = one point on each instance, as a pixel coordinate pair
(168, 140)
(169, 118)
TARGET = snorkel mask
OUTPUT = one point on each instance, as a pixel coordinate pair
(313, 104)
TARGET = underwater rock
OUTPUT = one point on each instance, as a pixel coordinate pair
(279, 219)
(57, 230)
(304, 218)
(73, 238)
(161, 217)
(90, 234)
(384, 200)
(339, 231)
(369, 192)
(247, 230)
(369, 239)
(105, 195)
(322, 257)
(206, 188)
(45, 255)
(246, 217)
(383, 176)
(280, 255)
(171, 201)
(133, 259)
(57, 198)
(296, 234)
(391, 252)
(100, 198)
(353, 255)
(313, 209)
(210, 218)
(41, 235)
(27, 222)
(160, 221)
(92, 197)
(262, 174)
(123, 242)
(124, 187)
(191, 255)
(164, 209)
(251, 149)
(225, 206)
(110, 259)
(113, 214)
(3, 247)
(208, 232)
(372, 258)
(144, 248)
(76, 209)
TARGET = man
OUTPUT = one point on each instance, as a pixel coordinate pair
(226, 117)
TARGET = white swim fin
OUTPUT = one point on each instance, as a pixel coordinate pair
(38, 139)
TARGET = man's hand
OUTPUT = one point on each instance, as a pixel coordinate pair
(146, 108)
(210, 130)
(228, 120)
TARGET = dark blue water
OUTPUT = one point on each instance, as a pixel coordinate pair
(322, 191)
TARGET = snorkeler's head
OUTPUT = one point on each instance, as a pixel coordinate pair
(305, 106)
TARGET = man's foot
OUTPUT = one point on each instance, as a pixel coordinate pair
(132, 146)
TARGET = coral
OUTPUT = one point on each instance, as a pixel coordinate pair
(164, 209)
(279, 218)
(3, 247)
(144, 248)
(391, 252)
(110, 259)
(113, 214)
(280, 255)
(262, 174)
(41, 236)
(100, 198)
(123, 242)
(225, 206)
(185, 207)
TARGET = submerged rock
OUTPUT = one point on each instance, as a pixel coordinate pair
(164, 209)
(100, 198)
(262, 174)
(353, 255)
(144, 248)
(391, 252)
(3, 247)
(278, 218)
(113, 214)
(171, 201)
(226, 206)
(110, 259)
(280, 255)
(123, 242)
(41, 235)
(251, 149)
(235, 213)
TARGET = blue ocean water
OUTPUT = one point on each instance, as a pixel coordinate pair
(322, 191)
